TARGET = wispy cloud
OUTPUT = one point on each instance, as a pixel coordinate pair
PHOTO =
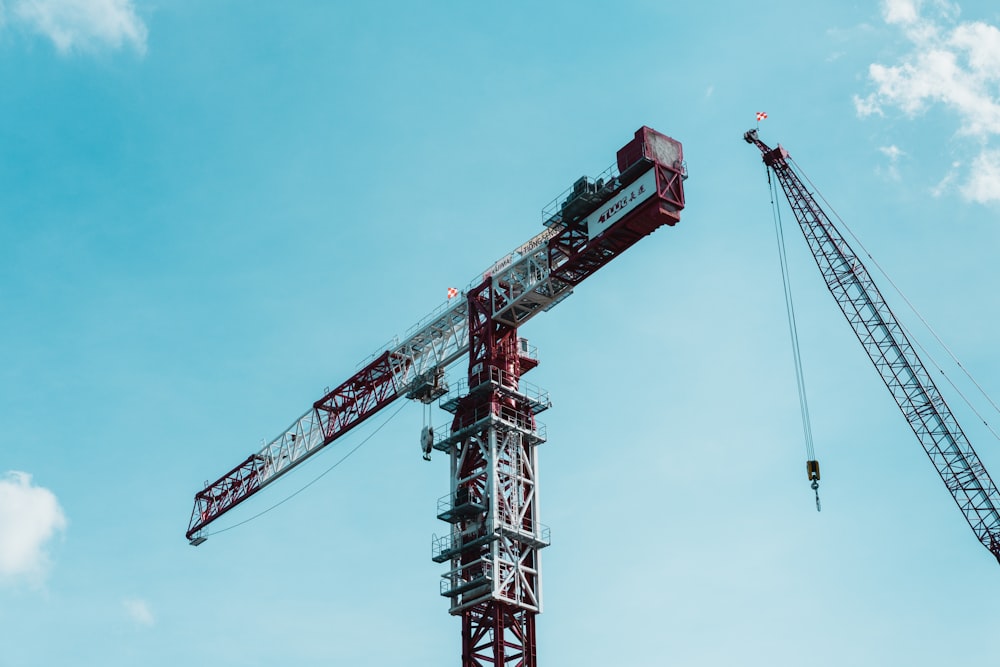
(900, 11)
(30, 516)
(946, 182)
(951, 63)
(81, 25)
(984, 180)
(892, 152)
(139, 611)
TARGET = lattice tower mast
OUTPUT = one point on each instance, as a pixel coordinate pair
(494, 581)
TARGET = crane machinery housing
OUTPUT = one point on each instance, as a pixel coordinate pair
(895, 358)
(495, 535)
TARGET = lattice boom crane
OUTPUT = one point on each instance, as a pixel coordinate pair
(894, 356)
(495, 535)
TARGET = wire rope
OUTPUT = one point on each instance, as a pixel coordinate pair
(800, 381)
(314, 480)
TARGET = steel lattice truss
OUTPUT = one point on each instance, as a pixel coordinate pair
(495, 537)
(499, 635)
(895, 359)
(435, 343)
(492, 504)
(539, 274)
(494, 581)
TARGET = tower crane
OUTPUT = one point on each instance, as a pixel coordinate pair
(894, 356)
(495, 536)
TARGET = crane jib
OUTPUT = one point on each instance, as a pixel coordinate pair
(641, 193)
(894, 356)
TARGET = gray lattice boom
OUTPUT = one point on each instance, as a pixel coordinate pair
(894, 356)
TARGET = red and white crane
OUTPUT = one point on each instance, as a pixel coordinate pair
(894, 356)
(495, 536)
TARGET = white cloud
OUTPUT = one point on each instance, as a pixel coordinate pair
(139, 611)
(83, 25)
(867, 106)
(955, 65)
(892, 152)
(900, 11)
(30, 516)
(984, 181)
(945, 183)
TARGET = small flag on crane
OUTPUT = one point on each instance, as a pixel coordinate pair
(452, 293)
(761, 115)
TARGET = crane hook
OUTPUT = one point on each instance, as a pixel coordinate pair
(426, 441)
(812, 469)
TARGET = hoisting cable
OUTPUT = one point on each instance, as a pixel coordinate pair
(913, 308)
(323, 474)
(812, 465)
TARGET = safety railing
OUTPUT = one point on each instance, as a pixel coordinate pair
(466, 577)
(446, 546)
(537, 397)
(597, 189)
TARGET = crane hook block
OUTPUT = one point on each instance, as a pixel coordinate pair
(426, 442)
(812, 469)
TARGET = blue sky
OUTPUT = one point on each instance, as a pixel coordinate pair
(212, 211)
